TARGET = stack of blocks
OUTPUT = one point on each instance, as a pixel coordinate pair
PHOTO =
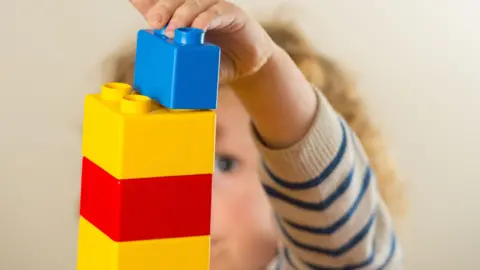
(148, 159)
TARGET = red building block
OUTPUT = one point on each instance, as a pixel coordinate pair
(147, 208)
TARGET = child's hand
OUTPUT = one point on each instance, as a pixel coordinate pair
(246, 47)
(283, 103)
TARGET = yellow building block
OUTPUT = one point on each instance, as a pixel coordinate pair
(131, 136)
(96, 251)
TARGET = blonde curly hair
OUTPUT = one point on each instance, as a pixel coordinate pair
(332, 81)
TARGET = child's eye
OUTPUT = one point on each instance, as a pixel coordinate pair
(225, 164)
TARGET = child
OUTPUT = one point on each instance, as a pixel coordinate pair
(314, 176)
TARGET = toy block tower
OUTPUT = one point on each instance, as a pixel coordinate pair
(148, 159)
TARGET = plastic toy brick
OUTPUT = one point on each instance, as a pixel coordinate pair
(98, 252)
(144, 209)
(131, 136)
(179, 73)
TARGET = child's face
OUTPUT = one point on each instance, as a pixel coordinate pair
(242, 234)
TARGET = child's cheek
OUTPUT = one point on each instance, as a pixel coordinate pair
(241, 215)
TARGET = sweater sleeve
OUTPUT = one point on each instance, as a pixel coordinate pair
(326, 204)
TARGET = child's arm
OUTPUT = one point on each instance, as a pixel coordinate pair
(315, 172)
(316, 175)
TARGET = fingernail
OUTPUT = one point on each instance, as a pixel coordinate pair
(170, 27)
(169, 30)
(169, 34)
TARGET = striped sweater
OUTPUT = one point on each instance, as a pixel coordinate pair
(326, 204)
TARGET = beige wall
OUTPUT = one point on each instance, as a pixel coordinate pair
(417, 62)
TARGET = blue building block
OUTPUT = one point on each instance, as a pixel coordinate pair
(179, 73)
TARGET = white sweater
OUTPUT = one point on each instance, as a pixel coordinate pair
(326, 203)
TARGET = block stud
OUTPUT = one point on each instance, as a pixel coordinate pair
(115, 91)
(136, 104)
(160, 32)
(189, 36)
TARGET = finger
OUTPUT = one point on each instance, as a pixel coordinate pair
(143, 6)
(217, 16)
(186, 13)
(226, 72)
(159, 15)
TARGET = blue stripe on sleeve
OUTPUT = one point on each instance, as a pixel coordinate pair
(366, 262)
(343, 220)
(319, 206)
(393, 248)
(286, 252)
(320, 178)
(333, 252)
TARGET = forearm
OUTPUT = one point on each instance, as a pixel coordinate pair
(280, 101)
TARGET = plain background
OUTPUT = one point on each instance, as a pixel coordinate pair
(416, 62)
